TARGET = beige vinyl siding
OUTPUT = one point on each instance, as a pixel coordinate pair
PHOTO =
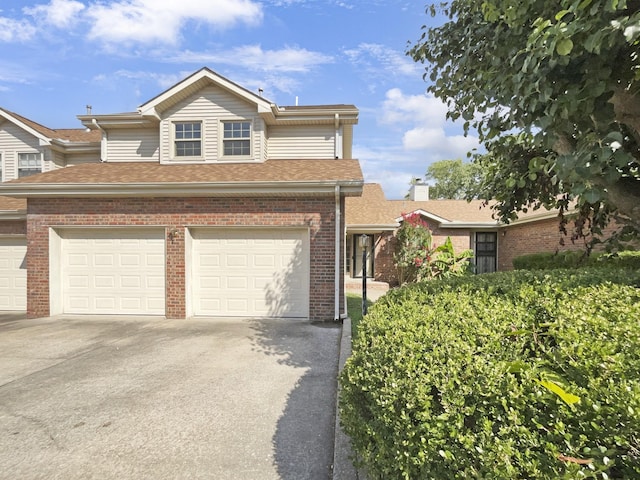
(133, 144)
(210, 106)
(14, 140)
(309, 141)
(80, 158)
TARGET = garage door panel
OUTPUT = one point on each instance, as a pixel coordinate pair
(13, 274)
(115, 271)
(247, 272)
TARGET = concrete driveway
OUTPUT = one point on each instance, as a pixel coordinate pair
(136, 398)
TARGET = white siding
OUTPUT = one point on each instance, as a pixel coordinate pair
(80, 158)
(302, 142)
(210, 106)
(133, 144)
(14, 140)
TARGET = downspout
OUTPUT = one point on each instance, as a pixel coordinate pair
(336, 146)
(338, 220)
(103, 141)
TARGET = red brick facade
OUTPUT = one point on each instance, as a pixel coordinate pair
(13, 227)
(175, 215)
(536, 237)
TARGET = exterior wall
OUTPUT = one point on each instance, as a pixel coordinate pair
(13, 227)
(302, 142)
(211, 105)
(133, 144)
(80, 158)
(385, 269)
(177, 214)
(535, 237)
(14, 140)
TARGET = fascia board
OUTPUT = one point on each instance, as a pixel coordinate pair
(26, 190)
(44, 140)
(371, 228)
(149, 108)
(424, 213)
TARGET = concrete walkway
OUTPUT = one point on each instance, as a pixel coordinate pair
(149, 398)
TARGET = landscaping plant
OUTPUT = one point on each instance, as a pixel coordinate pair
(518, 375)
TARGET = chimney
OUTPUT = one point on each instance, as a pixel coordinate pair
(419, 192)
(89, 108)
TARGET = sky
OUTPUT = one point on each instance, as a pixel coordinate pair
(57, 56)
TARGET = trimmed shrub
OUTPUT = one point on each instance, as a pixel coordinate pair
(513, 375)
(575, 259)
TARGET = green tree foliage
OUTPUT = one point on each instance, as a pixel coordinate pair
(454, 179)
(418, 258)
(552, 88)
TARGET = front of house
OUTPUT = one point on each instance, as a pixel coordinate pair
(470, 225)
(207, 201)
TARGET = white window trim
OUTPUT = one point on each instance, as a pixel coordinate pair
(235, 158)
(17, 166)
(172, 136)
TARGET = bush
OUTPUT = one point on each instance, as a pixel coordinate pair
(501, 376)
(575, 259)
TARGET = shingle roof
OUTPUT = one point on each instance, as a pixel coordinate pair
(66, 134)
(154, 173)
(8, 204)
(372, 208)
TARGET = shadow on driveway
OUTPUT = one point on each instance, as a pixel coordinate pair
(304, 438)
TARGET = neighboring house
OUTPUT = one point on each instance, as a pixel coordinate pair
(469, 224)
(209, 200)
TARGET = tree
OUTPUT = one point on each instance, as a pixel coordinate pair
(552, 88)
(454, 179)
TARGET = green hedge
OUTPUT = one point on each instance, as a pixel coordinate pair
(516, 375)
(575, 259)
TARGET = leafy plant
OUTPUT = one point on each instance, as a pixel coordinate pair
(504, 376)
(418, 258)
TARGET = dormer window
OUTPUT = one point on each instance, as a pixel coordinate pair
(188, 139)
(236, 141)
(29, 164)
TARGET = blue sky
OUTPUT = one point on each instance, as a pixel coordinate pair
(56, 56)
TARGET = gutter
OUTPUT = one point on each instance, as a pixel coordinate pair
(177, 189)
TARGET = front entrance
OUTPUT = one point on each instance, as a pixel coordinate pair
(486, 252)
(356, 259)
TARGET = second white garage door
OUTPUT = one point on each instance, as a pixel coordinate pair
(113, 271)
(13, 273)
(250, 272)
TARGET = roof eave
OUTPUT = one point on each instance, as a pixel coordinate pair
(203, 189)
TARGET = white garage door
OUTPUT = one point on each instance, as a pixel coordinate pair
(13, 274)
(113, 271)
(251, 273)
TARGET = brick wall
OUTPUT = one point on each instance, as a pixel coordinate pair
(176, 214)
(13, 227)
(385, 269)
(536, 237)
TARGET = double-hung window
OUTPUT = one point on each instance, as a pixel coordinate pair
(188, 139)
(29, 164)
(236, 139)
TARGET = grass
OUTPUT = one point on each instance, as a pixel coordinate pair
(354, 310)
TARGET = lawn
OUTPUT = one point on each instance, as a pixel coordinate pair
(354, 310)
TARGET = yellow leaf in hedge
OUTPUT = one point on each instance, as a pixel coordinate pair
(564, 46)
(566, 397)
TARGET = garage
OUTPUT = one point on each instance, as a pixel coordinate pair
(250, 272)
(13, 273)
(112, 271)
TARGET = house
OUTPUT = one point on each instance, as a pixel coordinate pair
(470, 225)
(208, 200)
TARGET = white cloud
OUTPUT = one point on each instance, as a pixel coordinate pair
(380, 63)
(152, 21)
(400, 108)
(15, 30)
(253, 57)
(59, 13)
